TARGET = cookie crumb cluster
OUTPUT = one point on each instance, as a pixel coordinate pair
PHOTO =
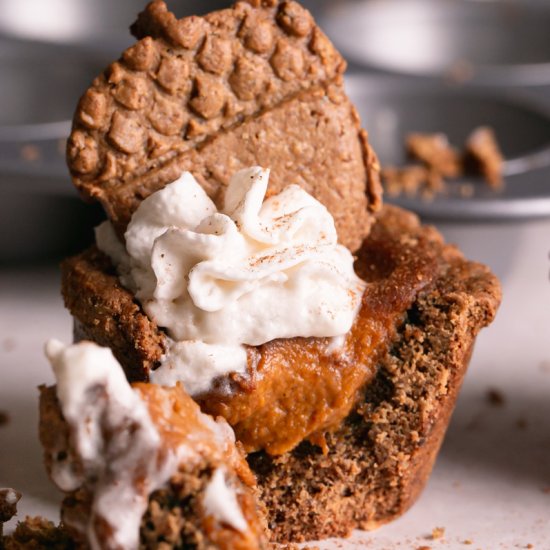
(438, 161)
(8, 507)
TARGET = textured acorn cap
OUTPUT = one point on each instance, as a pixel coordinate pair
(258, 83)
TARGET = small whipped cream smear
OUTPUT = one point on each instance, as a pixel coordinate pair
(217, 280)
(116, 450)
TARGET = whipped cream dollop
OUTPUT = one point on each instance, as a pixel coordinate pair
(116, 450)
(257, 270)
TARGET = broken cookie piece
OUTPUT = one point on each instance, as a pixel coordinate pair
(37, 533)
(411, 180)
(339, 377)
(483, 157)
(435, 152)
(131, 459)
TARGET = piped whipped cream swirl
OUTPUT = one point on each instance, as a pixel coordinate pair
(257, 270)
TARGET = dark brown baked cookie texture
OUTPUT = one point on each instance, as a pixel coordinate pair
(258, 83)
(380, 458)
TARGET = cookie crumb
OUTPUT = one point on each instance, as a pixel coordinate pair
(495, 397)
(8, 344)
(521, 423)
(8, 506)
(482, 156)
(438, 533)
(4, 418)
(459, 72)
(30, 153)
(466, 190)
(410, 179)
(423, 548)
(467, 541)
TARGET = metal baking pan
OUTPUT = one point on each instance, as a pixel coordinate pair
(49, 55)
(485, 42)
(392, 107)
(40, 214)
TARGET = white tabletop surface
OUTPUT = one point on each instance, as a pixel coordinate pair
(491, 485)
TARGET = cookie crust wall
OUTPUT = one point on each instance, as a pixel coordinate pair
(255, 84)
(381, 458)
